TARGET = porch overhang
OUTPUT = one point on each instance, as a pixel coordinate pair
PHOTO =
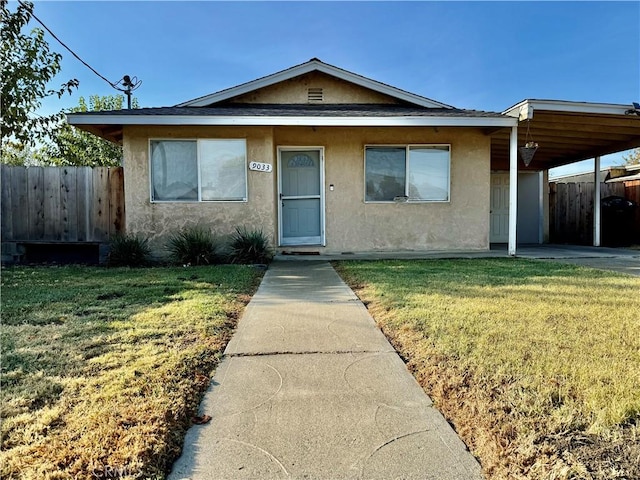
(567, 132)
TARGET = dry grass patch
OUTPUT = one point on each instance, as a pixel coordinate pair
(102, 369)
(536, 364)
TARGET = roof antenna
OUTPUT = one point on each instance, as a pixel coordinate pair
(129, 84)
(635, 109)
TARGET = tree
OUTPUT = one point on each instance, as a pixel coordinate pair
(632, 158)
(27, 65)
(72, 146)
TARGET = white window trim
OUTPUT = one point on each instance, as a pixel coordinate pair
(198, 144)
(407, 161)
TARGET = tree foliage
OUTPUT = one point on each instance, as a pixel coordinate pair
(632, 158)
(72, 146)
(28, 65)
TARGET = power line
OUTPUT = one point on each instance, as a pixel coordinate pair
(65, 46)
(129, 84)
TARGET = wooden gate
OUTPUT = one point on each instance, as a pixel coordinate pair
(571, 209)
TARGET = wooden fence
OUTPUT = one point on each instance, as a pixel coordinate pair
(571, 210)
(61, 204)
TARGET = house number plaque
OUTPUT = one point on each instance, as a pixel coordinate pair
(260, 167)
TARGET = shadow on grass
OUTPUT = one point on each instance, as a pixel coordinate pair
(136, 333)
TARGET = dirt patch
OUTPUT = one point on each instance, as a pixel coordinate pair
(617, 458)
(507, 443)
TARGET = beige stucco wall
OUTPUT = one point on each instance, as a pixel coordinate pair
(351, 225)
(296, 91)
(157, 221)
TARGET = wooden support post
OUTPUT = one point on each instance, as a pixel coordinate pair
(596, 202)
(513, 190)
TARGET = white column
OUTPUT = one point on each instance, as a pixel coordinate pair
(513, 189)
(596, 202)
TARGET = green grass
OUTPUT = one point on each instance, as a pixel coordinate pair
(530, 360)
(102, 369)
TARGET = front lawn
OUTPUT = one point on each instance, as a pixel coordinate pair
(103, 369)
(536, 364)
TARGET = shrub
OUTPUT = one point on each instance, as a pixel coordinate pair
(193, 246)
(128, 251)
(249, 246)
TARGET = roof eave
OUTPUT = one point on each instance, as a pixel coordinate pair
(526, 108)
(308, 67)
(190, 120)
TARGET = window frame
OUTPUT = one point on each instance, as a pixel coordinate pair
(198, 142)
(407, 166)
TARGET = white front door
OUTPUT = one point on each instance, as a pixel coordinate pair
(499, 212)
(301, 206)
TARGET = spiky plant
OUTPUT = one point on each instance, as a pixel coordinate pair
(193, 246)
(128, 251)
(250, 247)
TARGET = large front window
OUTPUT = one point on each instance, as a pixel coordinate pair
(413, 173)
(198, 170)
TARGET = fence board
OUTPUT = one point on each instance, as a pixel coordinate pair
(571, 214)
(553, 200)
(52, 203)
(67, 204)
(6, 221)
(20, 202)
(35, 185)
(632, 192)
(100, 204)
(586, 213)
(116, 201)
(85, 195)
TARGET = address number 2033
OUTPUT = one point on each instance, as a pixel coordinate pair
(260, 167)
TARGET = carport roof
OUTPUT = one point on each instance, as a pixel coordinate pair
(567, 132)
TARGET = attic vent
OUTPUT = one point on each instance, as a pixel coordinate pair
(315, 95)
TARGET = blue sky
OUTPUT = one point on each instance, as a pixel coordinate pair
(476, 55)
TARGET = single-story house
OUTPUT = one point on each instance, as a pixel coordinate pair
(326, 160)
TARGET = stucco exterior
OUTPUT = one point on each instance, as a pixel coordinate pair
(334, 91)
(159, 220)
(351, 224)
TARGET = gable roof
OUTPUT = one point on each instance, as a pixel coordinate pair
(216, 109)
(313, 65)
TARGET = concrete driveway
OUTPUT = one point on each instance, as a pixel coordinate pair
(616, 259)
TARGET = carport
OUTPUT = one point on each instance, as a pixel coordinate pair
(565, 132)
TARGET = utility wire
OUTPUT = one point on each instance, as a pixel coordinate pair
(113, 85)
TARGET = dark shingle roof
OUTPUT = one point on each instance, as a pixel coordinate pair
(302, 110)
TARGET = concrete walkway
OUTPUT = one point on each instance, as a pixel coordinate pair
(310, 388)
